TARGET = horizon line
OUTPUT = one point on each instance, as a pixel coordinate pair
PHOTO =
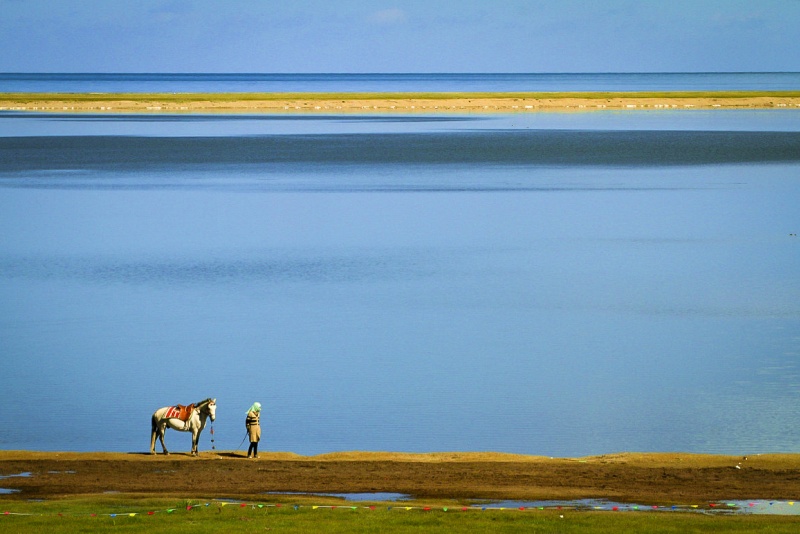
(238, 73)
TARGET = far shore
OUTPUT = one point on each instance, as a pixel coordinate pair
(409, 103)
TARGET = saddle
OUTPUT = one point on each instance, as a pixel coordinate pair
(179, 411)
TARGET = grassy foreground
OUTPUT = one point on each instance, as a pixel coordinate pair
(137, 492)
(176, 516)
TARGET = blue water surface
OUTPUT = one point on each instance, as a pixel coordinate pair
(561, 309)
(394, 82)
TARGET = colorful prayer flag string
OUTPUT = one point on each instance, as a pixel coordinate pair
(745, 507)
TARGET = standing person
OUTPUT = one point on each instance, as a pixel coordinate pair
(253, 425)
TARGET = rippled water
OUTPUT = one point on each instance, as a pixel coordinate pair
(552, 284)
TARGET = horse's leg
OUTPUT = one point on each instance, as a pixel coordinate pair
(163, 430)
(195, 439)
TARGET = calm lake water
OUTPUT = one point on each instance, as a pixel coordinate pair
(555, 284)
(402, 82)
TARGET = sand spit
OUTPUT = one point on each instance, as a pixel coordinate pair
(391, 103)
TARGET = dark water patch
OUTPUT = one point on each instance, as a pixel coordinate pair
(369, 497)
(326, 182)
(395, 82)
(289, 153)
(228, 117)
(377, 496)
(243, 270)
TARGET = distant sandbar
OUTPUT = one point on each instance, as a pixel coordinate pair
(335, 103)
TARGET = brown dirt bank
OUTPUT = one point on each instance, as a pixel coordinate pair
(391, 103)
(652, 478)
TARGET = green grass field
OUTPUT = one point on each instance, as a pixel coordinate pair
(176, 516)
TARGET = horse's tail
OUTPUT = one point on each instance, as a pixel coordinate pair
(155, 428)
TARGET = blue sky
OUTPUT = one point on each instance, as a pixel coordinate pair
(399, 35)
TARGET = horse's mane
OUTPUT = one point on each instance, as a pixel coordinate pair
(203, 402)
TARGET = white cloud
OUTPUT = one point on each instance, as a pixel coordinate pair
(388, 16)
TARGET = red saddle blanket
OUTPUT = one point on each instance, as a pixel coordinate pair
(179, 412)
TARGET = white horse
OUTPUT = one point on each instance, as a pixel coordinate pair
(164, 418)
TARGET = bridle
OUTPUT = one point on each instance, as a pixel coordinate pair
(205, 408)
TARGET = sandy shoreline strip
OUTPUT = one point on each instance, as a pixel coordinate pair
(335, 103)
(641, 459)
(626, 477)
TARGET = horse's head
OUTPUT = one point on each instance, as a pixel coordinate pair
(212, 409)
(208, 407)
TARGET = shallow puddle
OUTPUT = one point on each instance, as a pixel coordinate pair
(6, 491)
(365, 497)
(353, 497)
(722, 507)
(25, 474)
